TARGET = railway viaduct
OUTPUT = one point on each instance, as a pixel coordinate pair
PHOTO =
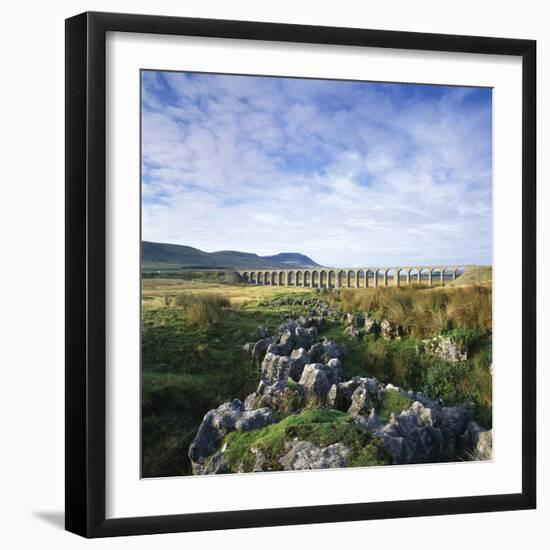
(365, 277)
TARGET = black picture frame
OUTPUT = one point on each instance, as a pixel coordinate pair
(86, 263)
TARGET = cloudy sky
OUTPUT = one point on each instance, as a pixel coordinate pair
(348, 173)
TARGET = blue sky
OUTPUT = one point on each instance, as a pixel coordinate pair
(349, 173)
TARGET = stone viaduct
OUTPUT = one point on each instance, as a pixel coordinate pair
(329, 277)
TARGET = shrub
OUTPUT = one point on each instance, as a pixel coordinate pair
(449, 381)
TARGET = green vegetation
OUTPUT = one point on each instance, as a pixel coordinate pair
(192, 358)
(393, 402)
(319, 426)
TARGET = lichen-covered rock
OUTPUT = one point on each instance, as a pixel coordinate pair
(477, 442)
(443, 347)
(216, 464)
(390, 331)
(454, 418)
(370, 325)
(282, 345)
(262, 332)
(326, 350)
(215, 424)
(304, 337)
(304, 455)
(421, 434)
(275, 369)
(219, 422)
(248, 347)
(484, 446)
(299, 358)
(250, 401)
(314, 381)
(411, 437)
(254, 420)
(333, 368)
(260, 349)
(361, 402)
(351, 319)
(340, 396)
(352, 332)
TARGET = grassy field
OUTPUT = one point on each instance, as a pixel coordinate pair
(193, 332)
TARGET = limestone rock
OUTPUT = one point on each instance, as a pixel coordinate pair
(260, 349)
(219, 422)
(370, 325)
(304, 455)
(390, 331)
(324, 351)
(262, 332)
(216, 464)
(351, 319)
(352, 332)
(275, 369)
(361, 402)
(314, 381)
(443, 347)
(477, 442)
(299, 358)
(254, 420)
(484, 447)
(215, 424)
(340, 397)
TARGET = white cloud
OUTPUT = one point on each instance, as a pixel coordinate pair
(347, 174)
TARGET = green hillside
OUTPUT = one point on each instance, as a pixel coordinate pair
(174, 256)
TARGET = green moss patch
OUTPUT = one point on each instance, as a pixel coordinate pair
(320, 426)
(394, 402)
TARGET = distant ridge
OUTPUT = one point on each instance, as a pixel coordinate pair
(164, 255)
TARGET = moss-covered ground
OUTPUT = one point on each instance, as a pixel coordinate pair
(319, 426)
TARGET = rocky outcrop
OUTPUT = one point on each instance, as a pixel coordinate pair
(297, 371)
(443, 347)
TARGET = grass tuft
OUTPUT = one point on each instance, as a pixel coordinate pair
(203, 310)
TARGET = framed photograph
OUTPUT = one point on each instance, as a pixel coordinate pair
(301, 274)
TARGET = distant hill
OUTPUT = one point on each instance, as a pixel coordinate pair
(162, 255)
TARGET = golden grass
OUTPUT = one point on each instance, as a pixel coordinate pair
(155, 290)
(424, 311)
(202, 309)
